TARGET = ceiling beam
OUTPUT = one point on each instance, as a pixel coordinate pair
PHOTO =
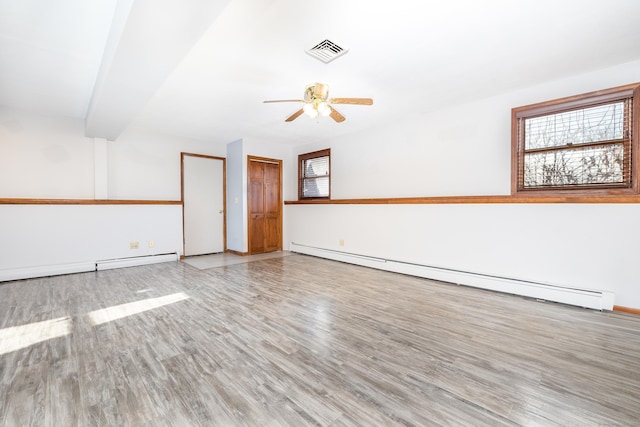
(147, 41)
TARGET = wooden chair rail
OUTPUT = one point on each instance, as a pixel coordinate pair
(25, 201)
(472, 200)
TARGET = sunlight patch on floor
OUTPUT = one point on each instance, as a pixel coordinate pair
(18, 337)
(116, 312)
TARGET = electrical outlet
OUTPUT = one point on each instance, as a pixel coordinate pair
(134, 245)
(151, 243)
(341, 242)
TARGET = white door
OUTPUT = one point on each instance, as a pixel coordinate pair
(203, 198)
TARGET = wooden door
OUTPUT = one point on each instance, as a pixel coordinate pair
(264, 201)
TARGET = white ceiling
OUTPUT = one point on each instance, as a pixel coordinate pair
(201, 68)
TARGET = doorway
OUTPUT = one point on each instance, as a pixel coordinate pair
(203, 204)
(265, 204)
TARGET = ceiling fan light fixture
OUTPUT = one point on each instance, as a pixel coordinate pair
(310, 110)
(323, 109)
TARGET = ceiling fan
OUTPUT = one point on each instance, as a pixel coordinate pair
(317, 103)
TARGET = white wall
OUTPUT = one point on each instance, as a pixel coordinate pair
(466, 150)
(146, 166)
(46, 238)
(459, 150)
(556, 244)
(236, 197)
(43, 157)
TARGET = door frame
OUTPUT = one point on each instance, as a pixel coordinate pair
(224, 195)
(280, 204)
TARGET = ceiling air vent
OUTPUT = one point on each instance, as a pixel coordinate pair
(326, 51)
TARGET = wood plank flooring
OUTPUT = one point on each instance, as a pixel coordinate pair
(297, 341)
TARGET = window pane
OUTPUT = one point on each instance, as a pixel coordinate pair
(600, 123)
(578, 166)
(318, 166)
(314, 179)
(316, 187)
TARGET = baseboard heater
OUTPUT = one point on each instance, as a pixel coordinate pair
(135, 261)
(594, 299)
(83, 267)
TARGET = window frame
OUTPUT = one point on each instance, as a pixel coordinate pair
(569, 104)
(301, 178)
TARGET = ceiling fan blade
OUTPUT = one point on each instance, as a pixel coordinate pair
(335, 115)
(284, 100)
(294, 115)
(321, 91)
(353, 101)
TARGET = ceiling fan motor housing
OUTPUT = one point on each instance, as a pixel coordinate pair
(316, 91)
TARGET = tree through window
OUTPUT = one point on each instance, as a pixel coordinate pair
(586, 142)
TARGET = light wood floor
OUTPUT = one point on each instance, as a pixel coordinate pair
(298, 341)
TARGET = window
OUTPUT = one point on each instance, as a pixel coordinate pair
(314, 175)
(586, 143)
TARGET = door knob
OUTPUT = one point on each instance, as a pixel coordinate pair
(220, 211)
